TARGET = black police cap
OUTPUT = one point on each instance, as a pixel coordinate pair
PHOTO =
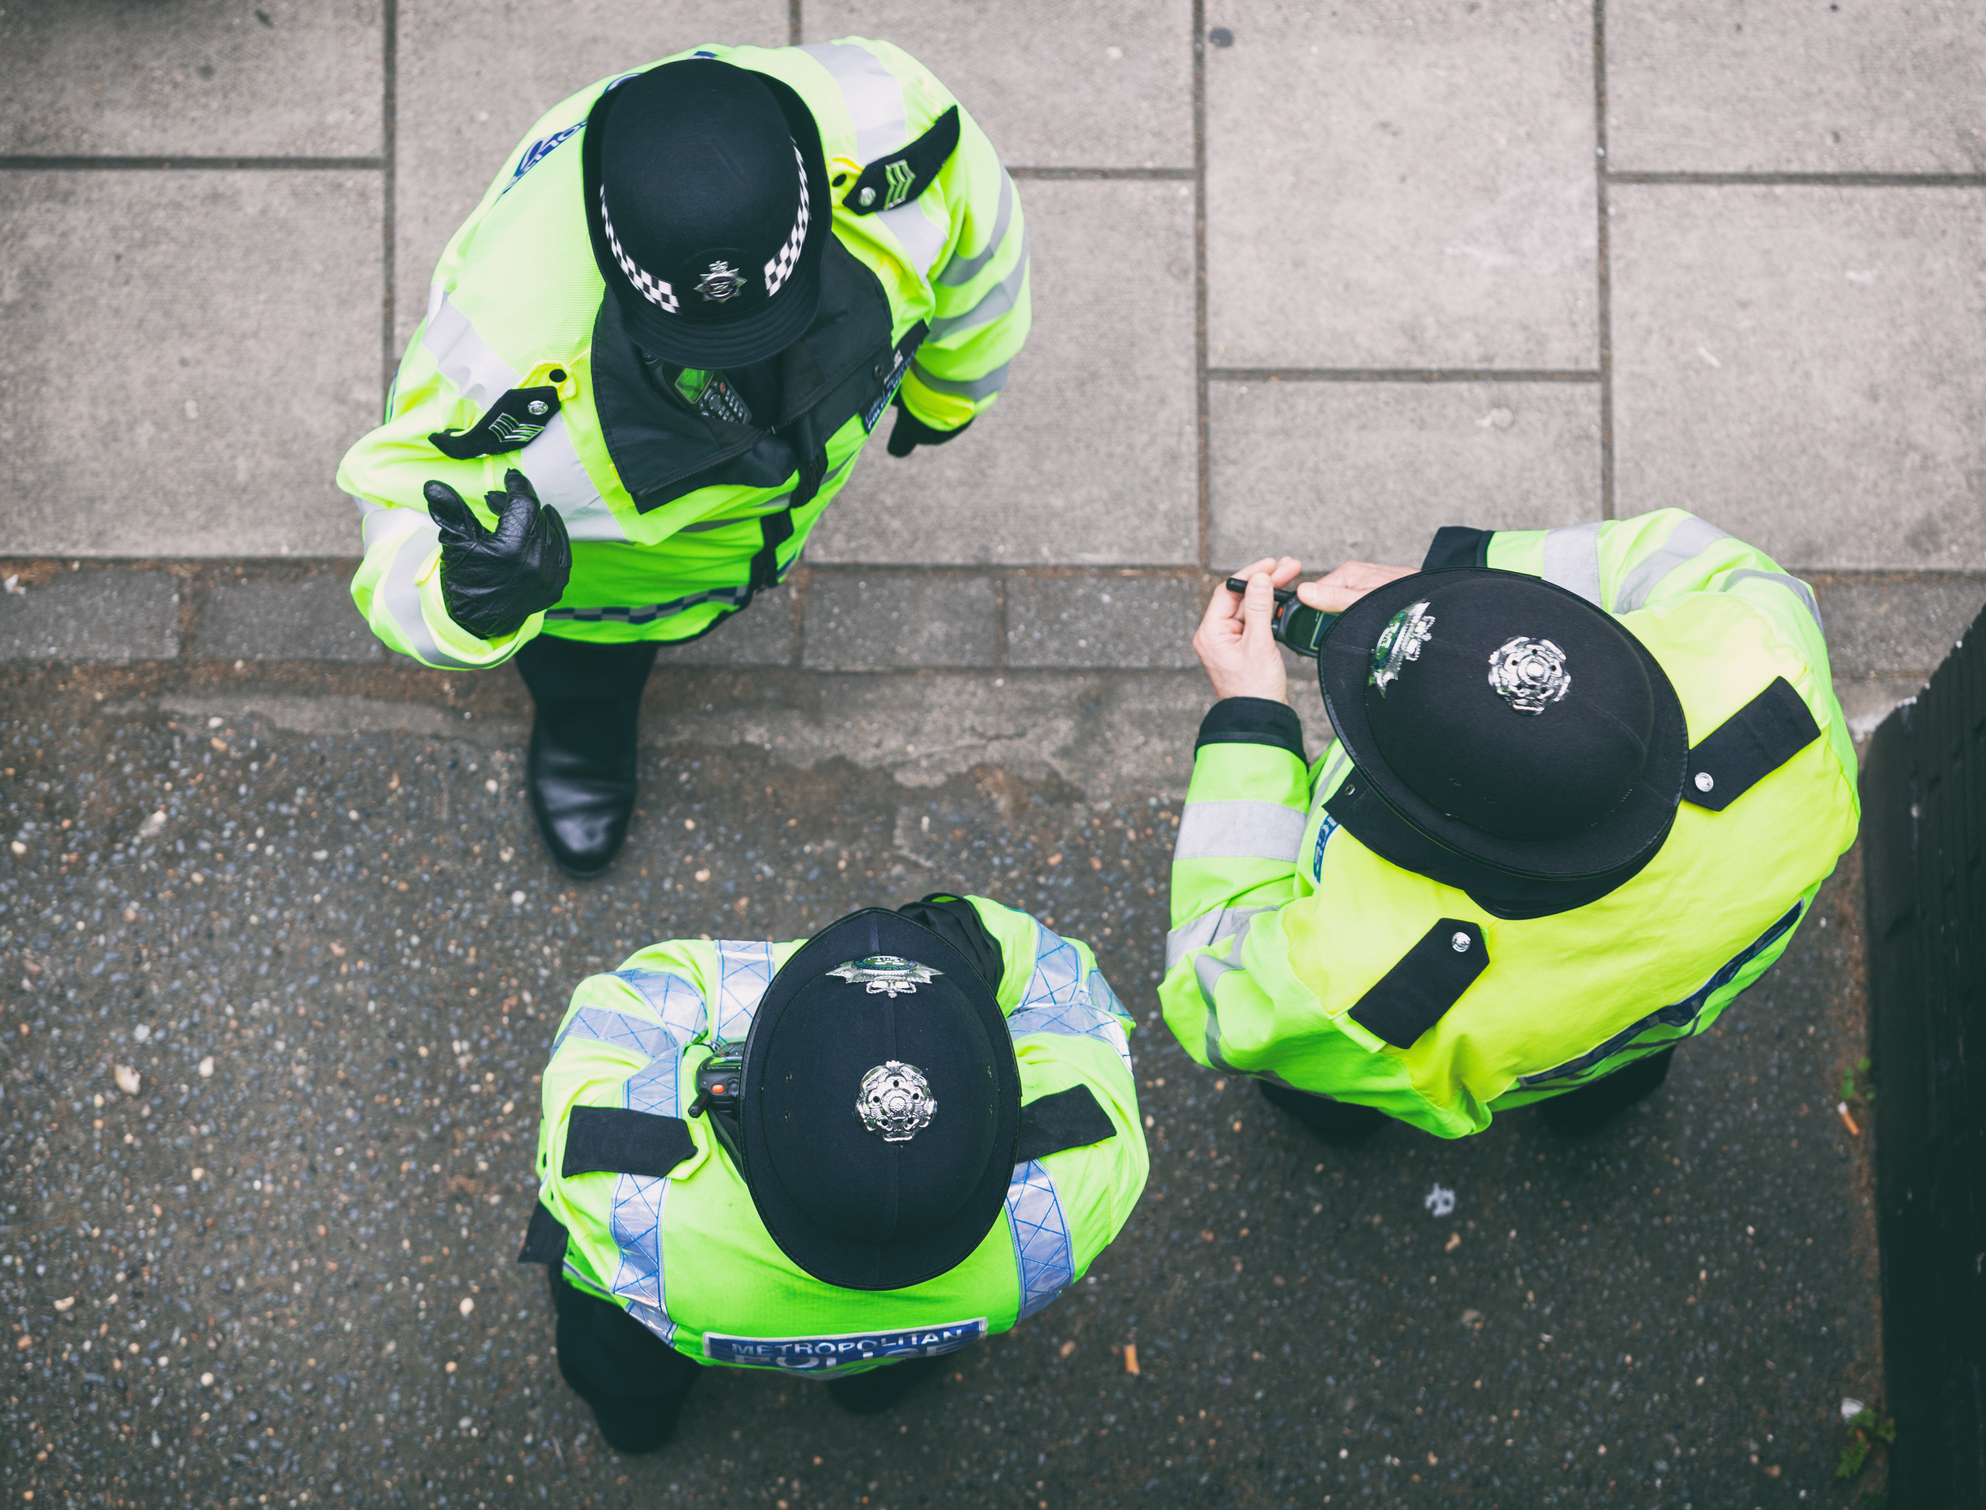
(707, 201)
(881, 1105)
(1513, 723)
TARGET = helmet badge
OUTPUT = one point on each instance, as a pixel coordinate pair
(895, 1101)
(886, 975)
(1530, 675)
(1399, 642)
(721, 282)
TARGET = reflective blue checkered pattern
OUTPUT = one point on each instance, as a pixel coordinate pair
(637, 1229)
(745, 967)
(1060, 1000)
(658, 1088)
(1042, 1251)
(619, 1029)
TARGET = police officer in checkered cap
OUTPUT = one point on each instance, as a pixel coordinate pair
(650, 359)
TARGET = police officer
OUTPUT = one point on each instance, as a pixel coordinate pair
(841, 1157)
(650, 359)
(1586, 784)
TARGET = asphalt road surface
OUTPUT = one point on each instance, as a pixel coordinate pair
(277, 1266)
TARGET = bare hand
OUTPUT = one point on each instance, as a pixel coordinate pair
(1234, 641)
(1338, 590)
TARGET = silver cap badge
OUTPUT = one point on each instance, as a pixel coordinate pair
(1530, 675)
(886, 974)
(895, 1101)
(1399, 642)
(722, 282)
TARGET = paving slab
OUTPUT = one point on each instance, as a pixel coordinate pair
(1405, 185)
(1090, 455)
(1740, 86)
(1054, 86)
(308, 618)
(1091, 621)
(762, 635)
(197, 78)
(1896, 628)
(856, 623)
(473, 78)
(1801, 366)
(92, 616)
(1259, 1278)
(199, 351)
(1331, 472)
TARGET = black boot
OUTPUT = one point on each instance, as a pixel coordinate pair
(1592, 1107)
(581, 772)
(882, 1389)
(1339, 1123)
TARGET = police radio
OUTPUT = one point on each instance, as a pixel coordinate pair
(1294, 623)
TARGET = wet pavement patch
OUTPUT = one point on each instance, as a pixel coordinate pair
(275, 1002)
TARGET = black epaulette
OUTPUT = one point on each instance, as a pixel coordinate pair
(1749, 746)
(896, 180)
(512, 423)
(1429, 979)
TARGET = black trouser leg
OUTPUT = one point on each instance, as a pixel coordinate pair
(1327, 1120)
(882, 1389)
(635, 1382)
(581, 771)
(1593, 1106)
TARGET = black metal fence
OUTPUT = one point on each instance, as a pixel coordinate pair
(1924, 843)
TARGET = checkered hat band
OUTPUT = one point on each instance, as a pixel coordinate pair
(653, 289)
(781, 267)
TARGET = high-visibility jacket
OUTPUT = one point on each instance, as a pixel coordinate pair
(1283, 921)
(666, 522)
(686, 1254)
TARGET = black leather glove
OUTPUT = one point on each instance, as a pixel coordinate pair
(909, 432)
(492, 583)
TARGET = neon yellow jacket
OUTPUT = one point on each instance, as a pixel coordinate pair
(513, 304)
(1282, 920)
(686, 1254)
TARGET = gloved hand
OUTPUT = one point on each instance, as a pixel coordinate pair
(492, 583)
(909, 432)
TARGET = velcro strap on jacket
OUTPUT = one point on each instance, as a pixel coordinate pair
(1429, 979)
(899, 178)
(513, 422)
(615, 1140)
(1749, 746)
(1068, 1119)
(544, 1239)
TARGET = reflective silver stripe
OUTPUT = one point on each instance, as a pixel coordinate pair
(997, 301)
(1208, 970)
(744, 971)
(1044, 1256)
(1239, 830)
(977, 388)
(636, 1223)
(1207, 930)
(874, 97)
(561, 480)
(478, 373)
(1690, 539)
(1572, 560)
(962, 270)
(400, 590)
(1793, 585)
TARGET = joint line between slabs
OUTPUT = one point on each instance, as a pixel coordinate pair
(794, 28)
(164, 164)
(1603, 266)
(389, 184)
(1204, 505)
(1400, 375)
(1800, 180)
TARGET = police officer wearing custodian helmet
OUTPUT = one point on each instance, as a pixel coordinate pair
(649, 361)
(1586, 783)
(840, 1157)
